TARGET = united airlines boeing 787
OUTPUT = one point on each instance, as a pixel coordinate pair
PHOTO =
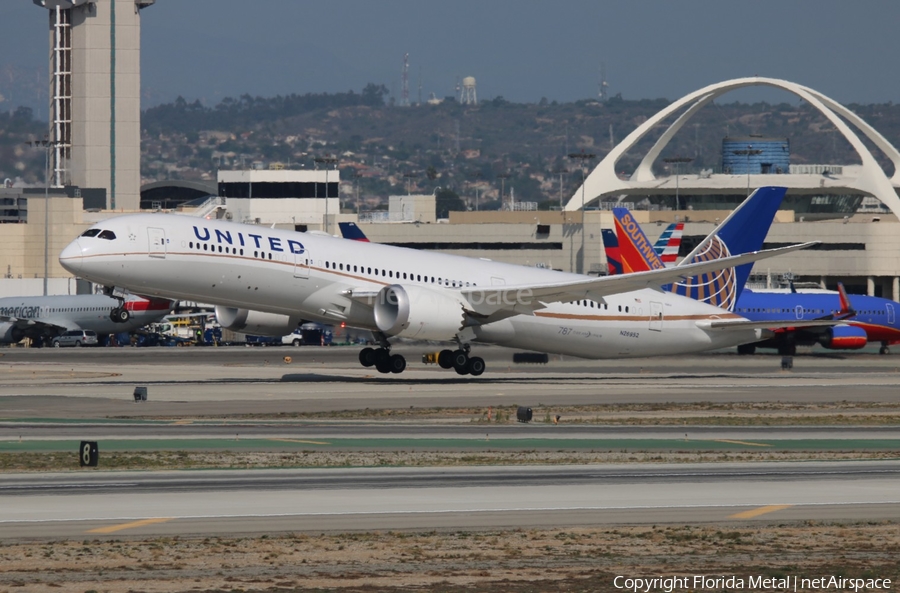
(272, 278)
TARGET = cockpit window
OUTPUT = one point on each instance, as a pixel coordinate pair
(108, 235)
(90, 233)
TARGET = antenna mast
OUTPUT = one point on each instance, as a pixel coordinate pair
(404, 82)
(604, 86)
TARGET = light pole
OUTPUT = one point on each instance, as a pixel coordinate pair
(582, 157)
(47, 145)
(408, 176)
(748, 151)
(677, 160)
(326, 160)
(502, 177)
(356, 176)
(561, 171)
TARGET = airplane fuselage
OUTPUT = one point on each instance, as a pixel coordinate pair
(289, 273)
(877, 317)
(36, 316)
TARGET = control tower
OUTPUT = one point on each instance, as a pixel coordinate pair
(95, 96)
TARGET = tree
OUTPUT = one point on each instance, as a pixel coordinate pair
(446, 201)
(373, 95)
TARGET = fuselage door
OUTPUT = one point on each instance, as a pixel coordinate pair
(890, 313)
(302, 262)
(656, 316)
(157, 245)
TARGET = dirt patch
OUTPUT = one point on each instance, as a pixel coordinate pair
(692, 414)
(516, 561)
(156, 460)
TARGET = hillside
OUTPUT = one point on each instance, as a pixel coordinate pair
(460, 148)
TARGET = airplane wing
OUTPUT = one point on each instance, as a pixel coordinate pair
(776, 325)
(362, 295)
(528, 298)
(33, 324)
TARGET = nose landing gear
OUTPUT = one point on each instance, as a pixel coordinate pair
(119, 314)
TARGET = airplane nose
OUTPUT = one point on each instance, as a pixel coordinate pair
(70, 258)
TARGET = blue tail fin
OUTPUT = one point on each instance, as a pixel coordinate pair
(349, 230)
(743, 231)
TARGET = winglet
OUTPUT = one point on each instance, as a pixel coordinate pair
(349, 230)
(846, 308)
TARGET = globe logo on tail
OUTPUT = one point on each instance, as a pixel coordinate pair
(717, 288)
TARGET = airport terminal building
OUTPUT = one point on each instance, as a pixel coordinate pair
(824, 203)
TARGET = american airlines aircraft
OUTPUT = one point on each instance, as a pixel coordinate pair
(43, 317)
(272, 278)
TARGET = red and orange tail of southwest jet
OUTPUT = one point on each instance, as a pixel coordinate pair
(636, 252)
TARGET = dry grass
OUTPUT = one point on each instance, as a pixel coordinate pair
(162, 460)
(517, 561)
(692, 414)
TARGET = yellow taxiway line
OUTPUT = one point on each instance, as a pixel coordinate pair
(741, 443)
(300, 441)
(131, 525)
(760, 511)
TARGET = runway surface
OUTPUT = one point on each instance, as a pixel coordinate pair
(208, 397)
(239, 502)
(99, 383)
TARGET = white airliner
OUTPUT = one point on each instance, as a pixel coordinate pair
(269, 279)
(43, 317)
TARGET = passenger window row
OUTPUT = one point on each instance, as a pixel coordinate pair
(226, 249)
(381, 272)
(596, 305)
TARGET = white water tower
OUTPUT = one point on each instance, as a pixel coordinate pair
(468, 96)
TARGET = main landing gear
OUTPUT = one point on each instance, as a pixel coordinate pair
(461, 362)
(884, 348)
(385, 362)
(381, 358)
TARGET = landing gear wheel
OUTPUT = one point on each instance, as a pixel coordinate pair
(381, 356)
(884, 350)
(787, 349)
(475, 366)
(397, 363)
(120, 315)
(367, 357)
(445, 359)
(383, 366)
(460, 358)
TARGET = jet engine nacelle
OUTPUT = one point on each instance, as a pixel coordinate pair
(844, 337)
(256, 323)
(418, 312)
(10, 334)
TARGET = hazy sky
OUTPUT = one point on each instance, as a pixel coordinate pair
(520, 49)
